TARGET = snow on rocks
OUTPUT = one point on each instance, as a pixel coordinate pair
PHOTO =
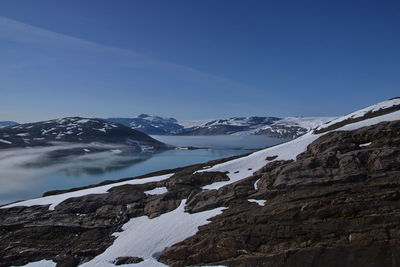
(23, 134)
(147, 238)
(5, 141)
(101, 130)
(362, 112)
(157, 191)
(54, 200)
(366, 144)
(244, 167)
(259, 202)
(42, 263)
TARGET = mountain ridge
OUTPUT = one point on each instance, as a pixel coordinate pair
(75, 130)
(284, 128)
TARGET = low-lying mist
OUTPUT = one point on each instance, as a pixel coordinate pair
(24, 169)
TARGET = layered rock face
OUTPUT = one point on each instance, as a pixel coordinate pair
(336, 205)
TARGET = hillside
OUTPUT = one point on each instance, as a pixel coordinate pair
(75, 130)
(7, 123)
(327, 198)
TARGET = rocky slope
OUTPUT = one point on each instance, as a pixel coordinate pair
(76, 130)
(328, 198)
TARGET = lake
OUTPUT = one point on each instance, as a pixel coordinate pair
(20, 180)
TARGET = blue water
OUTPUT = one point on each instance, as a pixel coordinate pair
(19, 183)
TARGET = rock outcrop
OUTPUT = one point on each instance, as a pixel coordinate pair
(336, 205)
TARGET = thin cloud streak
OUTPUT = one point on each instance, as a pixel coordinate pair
(15, 31)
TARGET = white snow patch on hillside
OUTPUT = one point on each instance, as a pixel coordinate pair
(194, 123)
(5, 141)
(101, 129)
(362, 112)
(147, 238)
(366, 144)
(388, 117)
(54, 200)
(308, 123)
(259, 202)
(239, 168)
(83, 121)
(157, 191)
(42, 263)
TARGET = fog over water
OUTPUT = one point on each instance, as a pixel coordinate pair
(29, 172)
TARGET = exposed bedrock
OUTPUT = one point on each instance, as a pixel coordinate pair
(336, 205)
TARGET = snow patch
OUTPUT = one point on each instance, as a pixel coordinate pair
(83, 121)
(147, 238)
(366, 144)
(362, 112)
(22, 134)
(157, 191)
(54, 200)
(42, 263)
(101, 130)
(259, 202)
(255, 184)
(285, 151)
(5, 141)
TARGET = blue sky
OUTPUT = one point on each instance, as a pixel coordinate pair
(196, 59)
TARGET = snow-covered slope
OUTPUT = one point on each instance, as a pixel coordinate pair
(374, 110)
(150, 235)
(291, 127)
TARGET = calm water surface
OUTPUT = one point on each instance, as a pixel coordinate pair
(19, 182)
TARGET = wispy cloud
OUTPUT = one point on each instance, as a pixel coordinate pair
(15, 31)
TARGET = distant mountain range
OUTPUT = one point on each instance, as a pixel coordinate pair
(285, 128)
(87, 132)
(290, 127)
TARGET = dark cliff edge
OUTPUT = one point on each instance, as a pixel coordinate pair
(338, 204)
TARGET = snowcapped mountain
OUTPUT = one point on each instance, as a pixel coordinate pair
(227, 126)
(290, 127)
(329, 197)
(7, 123)
(150, 124)
(75, 130)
